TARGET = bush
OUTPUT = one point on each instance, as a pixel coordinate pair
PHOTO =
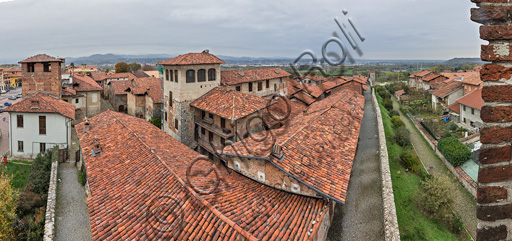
(452, 126)
(157, 121)
(394, 113)
(454, 151)
(410, 160)
(402, 136)
(397, 122)
(388, 105)
(436, 201)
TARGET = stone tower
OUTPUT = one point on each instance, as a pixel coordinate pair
(42, 73)
(186, 78)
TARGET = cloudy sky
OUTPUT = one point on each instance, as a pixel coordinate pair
(393, 29)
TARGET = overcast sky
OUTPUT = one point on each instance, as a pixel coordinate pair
(393, 29)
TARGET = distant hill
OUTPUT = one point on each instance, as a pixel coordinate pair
(457, 62)
(111, 59)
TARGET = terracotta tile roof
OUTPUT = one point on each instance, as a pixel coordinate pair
(319, 147)
(360, 79)
(139, 164)
(120, 76)
(420, 73)
(314, 90)
(229, 104)
(233, 77)
(85, 83)
(473, 79)
(140, 74)
(41, 58)
(45, 103)
(304, 98)
(473, 99)
(279, 109)
(458, 76)
(432, 76)
(447, 88)
(455, 107)
(119, 87)
(147, 86)
(399, 92)
(15, 69)
(193, 58)
(98, 76)
(68, 92)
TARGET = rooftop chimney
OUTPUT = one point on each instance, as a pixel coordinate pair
(87, 125)
(34, 104)
(277, 151)
(96, 147)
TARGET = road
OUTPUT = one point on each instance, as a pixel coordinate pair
(361, 218)
(4, 123)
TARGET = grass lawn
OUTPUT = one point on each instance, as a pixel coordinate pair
(413, 224)
(19, 173)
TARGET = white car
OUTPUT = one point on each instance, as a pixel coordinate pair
(3, 91)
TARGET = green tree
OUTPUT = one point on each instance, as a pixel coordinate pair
(8, 203)
(134, 66)
(122, 67)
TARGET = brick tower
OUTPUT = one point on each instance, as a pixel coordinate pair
(494, 199)
(42, 73)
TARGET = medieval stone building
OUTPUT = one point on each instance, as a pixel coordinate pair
(42, 73)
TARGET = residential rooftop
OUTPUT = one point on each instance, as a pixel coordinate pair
(193, 58)
(473, 99)
(40, 102)
(233, 77)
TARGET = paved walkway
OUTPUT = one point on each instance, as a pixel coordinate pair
(72, 215)
(464, 203)
(361, 218)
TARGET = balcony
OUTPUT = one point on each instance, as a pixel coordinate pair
(208, 124)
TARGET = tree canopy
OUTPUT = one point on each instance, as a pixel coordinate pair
(122, 67)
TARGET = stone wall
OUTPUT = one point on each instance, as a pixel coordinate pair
(494, 199)
(49, 220)
(390, 221)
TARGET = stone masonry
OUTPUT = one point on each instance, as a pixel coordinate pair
(494, 194)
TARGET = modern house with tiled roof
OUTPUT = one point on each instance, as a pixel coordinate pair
(415, 79)
(133, 169)
(446, 94)
(223, 115)
(312, 155)
(470, 106)
(186, 78)
(429, 79)
(42, 73)
(37, 123)
(11, 77)
(144, 98)
(84, 93)
(263, 82)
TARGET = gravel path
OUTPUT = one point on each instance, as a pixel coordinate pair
(464, 204)
(72, 212)
(361, 218)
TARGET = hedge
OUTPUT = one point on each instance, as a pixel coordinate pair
(454, 151)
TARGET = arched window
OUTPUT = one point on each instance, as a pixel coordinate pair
(176, 76)
(191, 76)
(211, 74)
(201, 75)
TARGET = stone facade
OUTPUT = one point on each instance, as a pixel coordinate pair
(494, 208)
(49, 220)
(136, 105)
(37, 79)
(275, 86)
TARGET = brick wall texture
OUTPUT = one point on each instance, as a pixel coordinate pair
(494, 202)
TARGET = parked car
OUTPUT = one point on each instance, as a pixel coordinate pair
(3, 91)
(19, 95)
(12, 97)
(7, 103)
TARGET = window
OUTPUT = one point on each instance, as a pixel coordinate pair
(267, 83)
(167, 74)
(223, 142)
(20, 121)
(76, 100)
(20, 146)
(464, 107)
(47, 67)
(42, 125)
(464, 120)
(42, 147)
(170, 71)
(222, 123)
(211, 74)
(275, 87)
(191, 76)
(203, 131)
(210, 136)
(170, 98)
(30, 67)
(176, 76)
(250, 86)
(176, 124)
(165, 116)
(201, 75)
(210, 115)
(260, 86)
(238, 88)
(472, 111)
(203, 114)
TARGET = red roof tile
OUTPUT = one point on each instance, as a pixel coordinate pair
(193, 58)
(399, 92)
(41, 58)
(233, 77)
(45, 104)
(473, 79)
(68, 92)
(139, 164)
(119, 87)
(455, 107)
(304, 97)
(98, 76)
(447, 88)
(229, 104)
(85, 83)
(147, 86)
(420, 73)
(319, 147)
(473, 99)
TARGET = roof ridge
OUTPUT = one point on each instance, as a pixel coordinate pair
(191, 191)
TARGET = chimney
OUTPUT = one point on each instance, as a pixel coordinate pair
(277, 151)
(34, 105)
(87, 125)
(493, 209)
(241, 73)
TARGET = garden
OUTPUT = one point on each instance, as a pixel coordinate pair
(23, 196)
(424, 204)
